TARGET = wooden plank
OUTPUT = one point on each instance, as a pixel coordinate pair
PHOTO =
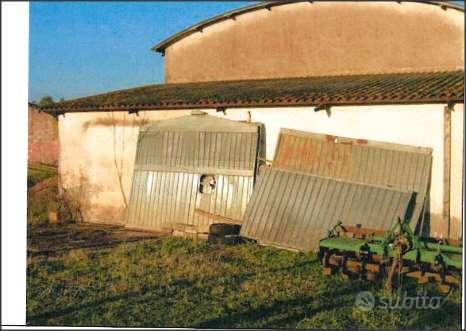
(218, 218)
(447, 165)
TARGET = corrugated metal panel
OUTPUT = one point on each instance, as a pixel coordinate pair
(157, 201)
(229, 200)
(160, 199)
(202, 152)
(295, 210)
(396, 166)
(172, 156)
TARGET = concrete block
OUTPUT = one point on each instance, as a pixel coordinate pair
(202, 236)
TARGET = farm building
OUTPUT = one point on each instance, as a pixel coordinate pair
(389, 72)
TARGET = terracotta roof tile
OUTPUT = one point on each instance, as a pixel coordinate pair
(403, 88)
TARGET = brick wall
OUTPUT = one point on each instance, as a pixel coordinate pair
(42, 138)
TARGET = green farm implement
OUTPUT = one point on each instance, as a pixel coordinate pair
(391, 255)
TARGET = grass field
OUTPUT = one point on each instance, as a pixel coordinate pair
(100, 275)
(84, 275)
(39, 172)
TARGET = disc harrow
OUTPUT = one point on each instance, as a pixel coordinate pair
(391, 255)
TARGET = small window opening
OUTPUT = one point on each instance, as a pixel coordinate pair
(207, 184)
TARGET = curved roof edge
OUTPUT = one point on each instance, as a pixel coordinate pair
(161, 46)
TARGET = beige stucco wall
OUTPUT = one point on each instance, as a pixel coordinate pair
(90, 144)
(95, 150)
(321, 38)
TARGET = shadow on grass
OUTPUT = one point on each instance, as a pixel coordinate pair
(180, 284)
(294, 309)
(42, 318)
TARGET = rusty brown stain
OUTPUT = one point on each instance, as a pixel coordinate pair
(102, 121)
(300, 153)
(377, 164)
(285, 152)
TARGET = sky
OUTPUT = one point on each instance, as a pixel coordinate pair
(84, 48)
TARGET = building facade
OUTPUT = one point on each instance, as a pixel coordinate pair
(384, 71)
(320, 38)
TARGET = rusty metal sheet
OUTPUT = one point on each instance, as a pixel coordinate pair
(294, 210)
(395, 166)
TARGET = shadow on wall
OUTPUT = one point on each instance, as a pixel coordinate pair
(134, 122)
(120, 125)
(77, 197)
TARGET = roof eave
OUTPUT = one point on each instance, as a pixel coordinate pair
(137, 108)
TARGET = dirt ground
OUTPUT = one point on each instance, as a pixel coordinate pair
(53, 239)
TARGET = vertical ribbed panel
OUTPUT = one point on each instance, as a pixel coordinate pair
(172, 156)
(295, 210)
(229, 200)
(401, 167)
(197, 150)
(161, 199)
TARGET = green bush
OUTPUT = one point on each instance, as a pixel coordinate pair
(42, 199)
